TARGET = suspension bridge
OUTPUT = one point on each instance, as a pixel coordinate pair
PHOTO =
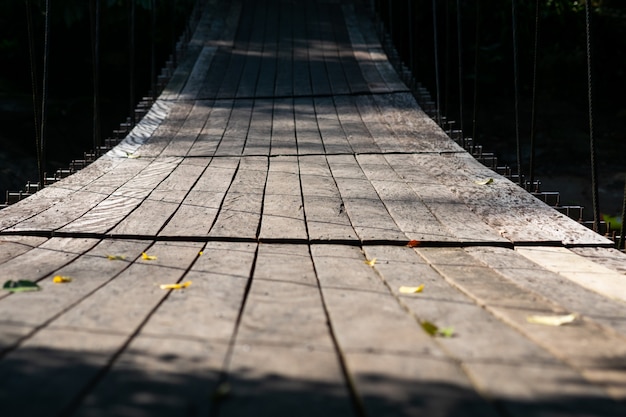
(287, 231)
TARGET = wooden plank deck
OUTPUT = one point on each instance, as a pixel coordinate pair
(283, 172)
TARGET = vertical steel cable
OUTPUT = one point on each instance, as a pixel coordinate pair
(153, 50)
(533, 111)
(34, 80)
(44, 97)
(516, 86)
(621, 230)
(436, 42)
(131, 60)
(476, 57)
(95, 66)
(592, 147)
(460, 54)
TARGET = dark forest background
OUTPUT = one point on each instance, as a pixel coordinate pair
(562, 134)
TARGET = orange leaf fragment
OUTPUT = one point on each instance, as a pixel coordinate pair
(413, 243)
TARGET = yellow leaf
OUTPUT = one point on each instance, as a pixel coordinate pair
(446, 332)
(147, 257)
(61, 279)
(484, 182)
(200, 253)
(116, 257)
(553, 320)
(411, 290)
(175, 286)
(131, 156)
(371, 262)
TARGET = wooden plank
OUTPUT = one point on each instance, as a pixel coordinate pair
(266, 81)
(189, 132)
(113, 209)
(405, 207)
(198, 73)
(284, 61)
(489, 350)
(197, 212)
(236, 131)
(553, 286)
(12, 246)
(443, 203)
(301, 62)
(213, 131)
(325, 213)
(336, 77)
(283, 214)
(396, 368)
(251, 69)
(382, 133)
(31, 206)
(115, 312)
(358, 135)
(319, 77)
(89, 271)
(240, 214)
(516, 214)
(582, 271)
(609, 257)
(586, 347)
(351, 69)
(284, 358)
(259, 137)
(333, 138)
(283, 128)
(155, 211)
(307, 131)
(366, 211)
(172, 365)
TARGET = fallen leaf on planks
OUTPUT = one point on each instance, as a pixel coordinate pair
(132, 156)
(484, 182)
(116, 257)
(411, 290)
(22, 285)
(175, 286)
(371, 262)
(60, 279)
(200, 253)
(413, 243)
(433, 330)
(147, 257)
(553, 320)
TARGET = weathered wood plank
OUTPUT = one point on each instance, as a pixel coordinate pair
(356, 132)
(334, 69)
(553, 286)
(266, 81)
(366, 211)
(608, 257)
(197, 212)
(392, 362)
(325, 213)
(240, 214)
(89, 271)
(307, 132)
(213, 131)
(443, 203)
(12, 246)
(333, 138)
(301, 62)
(285, 50)
(320, 84)
(234, 138)
(283, 128)
(586, 347)
(171, 367)
(406, 208)
(258, 141)
(253, 56)
(283, 214)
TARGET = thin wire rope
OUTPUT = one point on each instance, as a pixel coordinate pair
(621, 230)
(153, 77)
(476, 57)
(436, 57)
(460, 57)
(533, 110)
(95, 54)
(34, 80)
(44, 96)
(131, 61)
(592, 147)
(516, 94)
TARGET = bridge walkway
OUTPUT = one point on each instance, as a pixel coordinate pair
(289, 182)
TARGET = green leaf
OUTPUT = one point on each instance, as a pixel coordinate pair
(20, 286)
(429, 328)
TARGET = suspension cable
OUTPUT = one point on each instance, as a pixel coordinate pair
(153, 50)
(34, 80)
(476, 57)
(621, 231)
(592, 147)
(94, 5)
(44, 97)
(516, 86)
(460, 53)
(533, 110)
(131, 61)
(436, 42)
